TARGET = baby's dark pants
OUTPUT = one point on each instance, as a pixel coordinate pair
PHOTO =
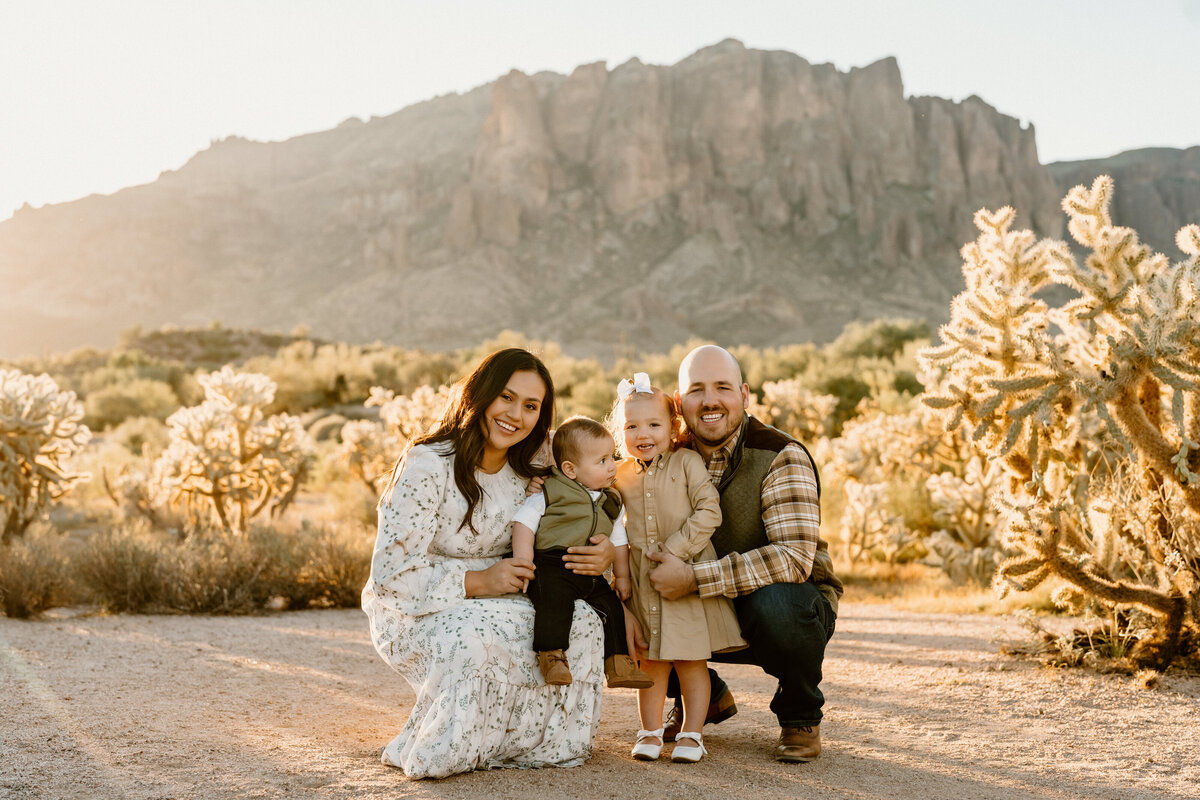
(554, 590)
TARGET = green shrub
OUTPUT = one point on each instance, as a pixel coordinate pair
(142, 397)
(137, 433)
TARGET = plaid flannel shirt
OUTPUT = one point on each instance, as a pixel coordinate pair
(791, 514)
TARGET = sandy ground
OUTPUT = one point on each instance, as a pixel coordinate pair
(297, 705)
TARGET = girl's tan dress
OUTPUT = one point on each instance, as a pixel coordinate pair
(671, 504)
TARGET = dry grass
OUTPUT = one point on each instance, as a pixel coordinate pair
(134, 568)
(33, 574)
(923, 589)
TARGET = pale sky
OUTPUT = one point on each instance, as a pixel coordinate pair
(96, 95)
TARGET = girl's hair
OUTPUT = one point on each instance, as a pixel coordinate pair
(462, 423)
(616, 419)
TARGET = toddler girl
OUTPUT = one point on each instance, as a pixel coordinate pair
(670, 504)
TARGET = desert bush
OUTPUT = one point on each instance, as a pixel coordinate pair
(33, 575)
(326, 567)
(39, 430)
(136, 567)
(112, 405)
(217, 571)
(226, 459)
(792, 408)
(141, 435)
(1030, 380)
(120, 569)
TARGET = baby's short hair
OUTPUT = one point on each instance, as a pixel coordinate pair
(570, 436)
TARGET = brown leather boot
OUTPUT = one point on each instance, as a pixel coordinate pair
(797, 745)
(622, 673)
(553, 664)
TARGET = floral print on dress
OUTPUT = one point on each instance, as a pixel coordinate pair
(481, 701)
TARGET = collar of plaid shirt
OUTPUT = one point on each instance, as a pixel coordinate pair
(719, 460)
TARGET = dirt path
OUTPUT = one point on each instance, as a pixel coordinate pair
(298, 706)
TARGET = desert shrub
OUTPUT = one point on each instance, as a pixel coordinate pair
(120, 569)
(216, 571)
(791, 407)
(226, 459)
(112, 405)
(141, 435)
(136, 567)
(327, 567)
(1092, 407)
(33, 575)
(881, 338)
(40, 429)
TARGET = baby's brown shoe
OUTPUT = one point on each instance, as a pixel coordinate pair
(622, 673)
(553, 664)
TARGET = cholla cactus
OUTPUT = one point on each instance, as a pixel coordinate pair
(1033, 382)
(370, 449)
(965, 546)
(39, 430)
(409, 417)
(791, 407)
(224, 457)
(867, 525)
(910, 455)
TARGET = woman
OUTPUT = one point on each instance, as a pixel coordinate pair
(444, 599)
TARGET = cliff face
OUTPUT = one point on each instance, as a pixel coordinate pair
(1157, 190)
(740, 195)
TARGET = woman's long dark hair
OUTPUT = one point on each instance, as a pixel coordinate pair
(462, 423)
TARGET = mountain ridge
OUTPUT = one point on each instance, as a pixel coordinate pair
(745, 196)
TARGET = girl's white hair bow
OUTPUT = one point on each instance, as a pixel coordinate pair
(640, 384)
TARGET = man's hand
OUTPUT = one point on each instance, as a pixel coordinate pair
(672, 578)
(591, 559)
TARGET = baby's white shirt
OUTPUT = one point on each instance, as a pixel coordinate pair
(531, 511)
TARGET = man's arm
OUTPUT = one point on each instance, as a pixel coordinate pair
(791, 514)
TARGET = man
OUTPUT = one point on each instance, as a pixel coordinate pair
(770, 557)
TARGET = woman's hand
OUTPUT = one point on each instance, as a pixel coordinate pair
(591, 559)
(506, 576)
(535, 485)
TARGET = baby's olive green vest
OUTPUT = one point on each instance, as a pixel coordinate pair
(571, 517)
(741, 527)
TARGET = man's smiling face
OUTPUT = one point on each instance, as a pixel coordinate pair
(712, 397)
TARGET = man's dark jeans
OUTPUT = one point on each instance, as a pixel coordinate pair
(787, 626)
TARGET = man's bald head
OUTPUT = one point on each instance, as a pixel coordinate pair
(709, 360)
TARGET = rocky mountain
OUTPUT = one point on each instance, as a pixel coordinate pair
(1157, 190)
(741, 195)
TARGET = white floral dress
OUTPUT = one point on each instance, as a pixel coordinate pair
(481, 701)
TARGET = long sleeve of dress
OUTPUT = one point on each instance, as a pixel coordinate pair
(406, 577)
(695, 533)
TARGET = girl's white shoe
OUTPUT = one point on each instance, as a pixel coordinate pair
(688, 754)
(648, 751)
